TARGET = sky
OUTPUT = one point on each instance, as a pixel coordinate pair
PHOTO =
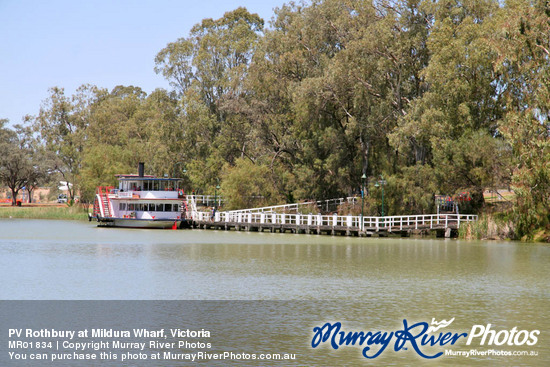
(67, 43)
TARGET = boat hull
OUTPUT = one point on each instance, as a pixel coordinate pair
(138, 223)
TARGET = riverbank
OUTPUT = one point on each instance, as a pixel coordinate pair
(64, 212)
(499, 226)
(488, 227)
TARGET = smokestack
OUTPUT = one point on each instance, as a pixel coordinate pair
(141, 169)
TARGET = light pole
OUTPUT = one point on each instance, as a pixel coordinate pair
(363, 178)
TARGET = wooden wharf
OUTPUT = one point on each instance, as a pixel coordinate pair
(446, 225)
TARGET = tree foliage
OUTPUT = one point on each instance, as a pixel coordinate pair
(523, 44)
(20, 165)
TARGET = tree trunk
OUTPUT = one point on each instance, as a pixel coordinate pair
(30, 190)
(365, 146)
(477, 199)
(14, 196)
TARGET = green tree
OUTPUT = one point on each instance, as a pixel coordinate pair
(462, 105)
(329, 83)
(61, 124)
(248, 185)
(15, 161)
(41, 160)
(125, 127)
(522, 40)
(207, 69)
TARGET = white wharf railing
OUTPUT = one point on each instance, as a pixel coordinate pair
(286, 208)
(390, 223)
(206, 200)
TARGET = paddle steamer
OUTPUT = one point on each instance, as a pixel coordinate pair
(141, 201)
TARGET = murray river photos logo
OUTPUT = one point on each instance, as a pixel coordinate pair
(418, 337)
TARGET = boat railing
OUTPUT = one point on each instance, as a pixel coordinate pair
(102, 204)
(147, 194)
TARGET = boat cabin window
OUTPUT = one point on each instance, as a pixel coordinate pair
(131, 185)
(148, 185)
(149, 207)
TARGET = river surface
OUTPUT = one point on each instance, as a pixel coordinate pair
(384, 280)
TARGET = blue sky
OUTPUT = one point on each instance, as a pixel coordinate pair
(67, 43)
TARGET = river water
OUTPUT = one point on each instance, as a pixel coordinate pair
(383, 280)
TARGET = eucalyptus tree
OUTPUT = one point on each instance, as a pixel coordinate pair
(329, 83)
(299, 118)
(126, 126)
(41, 161)
(522, 41)
(207, 69)
(248, 185)
(376, 75)
(61, 124)
(452, 126)
(15, 161)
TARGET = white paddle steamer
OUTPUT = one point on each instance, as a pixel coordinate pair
(141, 201)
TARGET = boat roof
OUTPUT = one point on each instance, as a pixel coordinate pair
(145, 177)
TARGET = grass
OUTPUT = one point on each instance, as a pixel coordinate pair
(35, 212)
(488, 226)
(498, 196)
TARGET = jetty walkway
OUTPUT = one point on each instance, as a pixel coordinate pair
(267, 219)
